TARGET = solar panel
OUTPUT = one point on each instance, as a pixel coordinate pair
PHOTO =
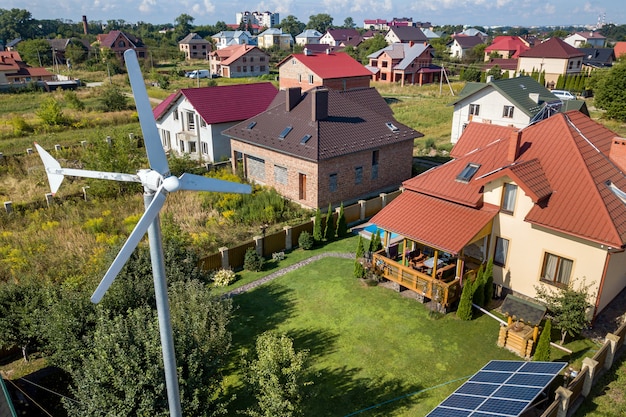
(500, 388)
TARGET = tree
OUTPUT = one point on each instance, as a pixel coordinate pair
(113, 99)
(15, 23)
(292, 25)
(465, 309)
(359, 270)
(610, 91)
(276, 375)
(183, 24)
(320, 22)
(342, 226)
(329, 228)
(35, 52)
(252, 260)
(348, 23)
(470, 73)
(542, 351)
(488, 274)
(495, 72)
(317, 226)
(50, 112)
(478, 297)
(567, 306)
(75, 52)
(370, 46)
(375, 243)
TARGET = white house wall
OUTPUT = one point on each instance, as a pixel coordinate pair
(491, 104)
(528, 244)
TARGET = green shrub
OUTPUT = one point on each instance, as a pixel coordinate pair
(342, 226)
(305, 240)
(72, 100)
(253, 261)
(329, 228)
(20, 125)
(542, 352)
(479, 287)
(50, 112)
(317, 227)
(223, 277)
(464, 311)
(359, 270)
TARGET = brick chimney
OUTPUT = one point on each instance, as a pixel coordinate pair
(319, 104)
(514, 144)
(85, 24)
(617, 153)
(292, 95)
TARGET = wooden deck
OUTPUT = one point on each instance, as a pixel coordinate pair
(444, 293)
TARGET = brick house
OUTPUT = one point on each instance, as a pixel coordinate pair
(239, 61)
(405, 63)
(118, 42)
(324, 146)
(507, 47)
(335, 70)
(15, 71)
(194, 46)
(545, 202)
(191, 120)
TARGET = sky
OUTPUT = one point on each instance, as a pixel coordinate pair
(526, 13)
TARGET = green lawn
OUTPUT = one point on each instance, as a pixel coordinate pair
(368, 345)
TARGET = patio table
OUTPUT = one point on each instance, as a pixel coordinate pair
(428, 263)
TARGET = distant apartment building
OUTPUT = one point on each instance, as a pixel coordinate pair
(267, 19)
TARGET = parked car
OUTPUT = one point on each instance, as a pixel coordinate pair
(199, 74)
(564, 94)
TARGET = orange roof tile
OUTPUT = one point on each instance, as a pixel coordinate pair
(478, 135)
(331, 65)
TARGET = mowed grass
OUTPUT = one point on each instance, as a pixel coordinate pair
(368, 345)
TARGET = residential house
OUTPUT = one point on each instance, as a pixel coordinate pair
(473, 32)
(194, 46)
(337, 37)
(430, 34)
(619, 49)
(228, 38)
(375, 24)
(596, 58)
(461, 45)
(12, 44)
(335, 70)
(239, 61)
(507, 47)
(263, 19)
(506, 102)
(508, 66)
(252, 28)
(324, 146)
(59, 45)
(191, 121)
(586, 39)
(405, 63)
(275, 37)
(118, 42)
(554, 58)
(309, 36)
(15, 71)
(544, 202)
(405, 34)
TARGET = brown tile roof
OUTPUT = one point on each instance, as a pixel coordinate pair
(351, 126)
(552, 48)
(108, 39)
(231, 53)
(563, 165)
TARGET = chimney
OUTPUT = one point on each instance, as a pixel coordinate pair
(534, 97)
(489, 79)
(514, 143)
(85, 24)
(292, 97)
(617, 153)
(411, 43)
(327, 51)
(319, 104)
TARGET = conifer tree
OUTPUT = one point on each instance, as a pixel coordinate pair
(464, 311)
(359, 270)
(479, 287)
(488, 274)
(317, 227)
(542, 352)
(342, 226)
(329, 228)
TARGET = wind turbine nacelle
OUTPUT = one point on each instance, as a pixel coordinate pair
(150, 179)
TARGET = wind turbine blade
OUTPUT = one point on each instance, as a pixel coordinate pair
(156, 154)
(199, 183)
(52, 165)
(131, 243)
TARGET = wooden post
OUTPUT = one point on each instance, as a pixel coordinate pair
(535, 333)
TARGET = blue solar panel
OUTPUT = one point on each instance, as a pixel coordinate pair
(500, 388)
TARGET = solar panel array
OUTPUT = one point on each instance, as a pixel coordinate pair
(500, 388)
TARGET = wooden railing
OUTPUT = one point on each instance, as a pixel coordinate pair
(444, 293)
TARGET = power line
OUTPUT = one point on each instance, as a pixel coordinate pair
(27, 396)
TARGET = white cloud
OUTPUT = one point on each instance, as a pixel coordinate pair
(146, 6)
(204, 8)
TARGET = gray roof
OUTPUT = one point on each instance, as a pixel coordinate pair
(403, 51)
(355, 122)
(310, 33)
(193, 38)
(409, 33)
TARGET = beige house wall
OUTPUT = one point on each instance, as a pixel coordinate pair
(553, 67)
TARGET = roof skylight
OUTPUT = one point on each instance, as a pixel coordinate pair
(285, 132)
(251, 125)
(305, 139)
(392, 127)
(468, 172)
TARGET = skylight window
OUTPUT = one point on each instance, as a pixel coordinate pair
(285, 132)
(392, 127)
(251, 125)
(305, 139)
(468, 172)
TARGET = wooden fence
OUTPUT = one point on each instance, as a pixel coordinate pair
(274, 243)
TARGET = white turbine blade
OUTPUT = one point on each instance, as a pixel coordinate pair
(156, 154)
(52, 165)
(133, 240)
(199, 183)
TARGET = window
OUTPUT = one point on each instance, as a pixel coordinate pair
(310, 79)
(305, 139)
(285, 132)
(375, 158)
(508, 198)
(262, 59)
(280, 175)
(332, 183)
(245, 59)
(508, 111)
(191, 122)
(245, 68)
(192, 147)
(500, 251)
(474, 109)
(358, 175)
(202, 122)
(385, 64)
(391, 127)
(262, 68)
(205, 148)
(251, 125)
(256, 167)
(251, 59)
(238, 68)
(468, 172)
(556, 270)
(175, 114)
(299, 78)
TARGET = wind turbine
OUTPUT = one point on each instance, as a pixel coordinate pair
(157, 183)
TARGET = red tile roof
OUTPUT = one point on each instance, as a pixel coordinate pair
(231, 53)
(332, 65)
(478, 135)
(620, 49)
(223, 104)
(552, 48)
(562, 165)
(435, 222)
(508, 43)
